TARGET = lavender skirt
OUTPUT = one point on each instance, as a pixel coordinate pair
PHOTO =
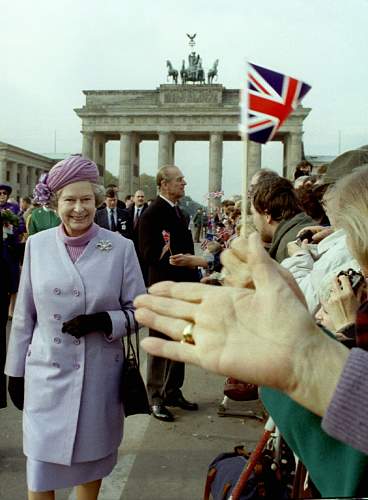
(45, 476)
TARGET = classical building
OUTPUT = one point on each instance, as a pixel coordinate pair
(21, 168)
(174, 113)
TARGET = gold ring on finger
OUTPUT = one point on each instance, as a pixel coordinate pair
(187, 335)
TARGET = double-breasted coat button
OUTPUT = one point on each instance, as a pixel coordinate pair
(57, 317)
(56, 365)
(57, 291)
(76, 292)
(28, 353)
(57, 340)
(77, 366)
(76, 341)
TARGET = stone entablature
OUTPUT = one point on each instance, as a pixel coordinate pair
(21, 168)
(171, 113)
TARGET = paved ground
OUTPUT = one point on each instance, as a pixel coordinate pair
(156, 460)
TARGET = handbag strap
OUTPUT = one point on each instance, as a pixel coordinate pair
(130, 348)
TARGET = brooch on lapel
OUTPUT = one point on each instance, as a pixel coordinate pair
(104, 245)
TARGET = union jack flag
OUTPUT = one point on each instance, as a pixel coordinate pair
(268, 101)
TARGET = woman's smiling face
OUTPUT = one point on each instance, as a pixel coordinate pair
(76, 207)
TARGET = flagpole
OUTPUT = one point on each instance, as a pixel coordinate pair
(244, 138)
(244, 184)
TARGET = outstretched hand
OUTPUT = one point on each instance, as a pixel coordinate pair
(251, 334)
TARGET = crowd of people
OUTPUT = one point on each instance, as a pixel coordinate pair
(288, 312)
(290, 318)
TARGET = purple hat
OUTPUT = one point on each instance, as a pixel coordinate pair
(73, 169)
(7, 188)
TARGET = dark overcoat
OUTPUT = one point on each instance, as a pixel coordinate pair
(161, 216)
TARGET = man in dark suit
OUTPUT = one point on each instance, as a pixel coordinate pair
(166, 248)
(135, 210)
(120, 203)
(113, 217)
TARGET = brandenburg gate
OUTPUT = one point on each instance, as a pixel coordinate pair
(174, 113)
(196, 111)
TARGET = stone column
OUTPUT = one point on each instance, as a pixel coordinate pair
(254, 159)
(3, 169)
(215, 168)
(32, 171)
(165, 149)
(171, 149)
(87, 146)
(125, 167)
(293, 154)
(13, 179)
(98, 154)
(134, 156)
(24, 189)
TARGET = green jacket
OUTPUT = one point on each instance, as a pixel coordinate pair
(41, 219)
(336, 469)
(286, 232)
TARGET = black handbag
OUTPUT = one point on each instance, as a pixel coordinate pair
(132, 389)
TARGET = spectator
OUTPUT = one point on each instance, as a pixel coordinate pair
(129, 200)
(112, 217)
(303, 168)
(277, 214)
(283, 349)
(198, 223)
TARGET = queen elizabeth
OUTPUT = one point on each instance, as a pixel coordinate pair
(65, 352)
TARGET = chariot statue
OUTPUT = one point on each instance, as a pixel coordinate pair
(194, 72)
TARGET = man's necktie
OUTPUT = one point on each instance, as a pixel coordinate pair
(178, 212)
(137, 215)
(112, 220)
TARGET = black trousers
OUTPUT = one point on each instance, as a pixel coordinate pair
(4, 306)
(164, 377)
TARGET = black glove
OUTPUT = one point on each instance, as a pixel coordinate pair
(87, 323)
(16, 391)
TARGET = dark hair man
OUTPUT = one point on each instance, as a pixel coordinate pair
(129, 200)
(303, 168)
(135, 211)
(166, 247)
(120, 203)
(113, 217)
(277, 214)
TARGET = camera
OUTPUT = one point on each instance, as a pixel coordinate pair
(306, 235)
(356, 278)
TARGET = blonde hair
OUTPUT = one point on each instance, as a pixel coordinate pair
(351, 211)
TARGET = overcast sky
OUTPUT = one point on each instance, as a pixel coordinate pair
(52, 50)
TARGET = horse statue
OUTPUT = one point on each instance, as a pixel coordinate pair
(212, 73)
(172, 72)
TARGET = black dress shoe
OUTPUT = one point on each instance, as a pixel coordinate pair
(161, 413)
(181, 402)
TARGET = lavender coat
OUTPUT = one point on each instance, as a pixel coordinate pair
(72, 411)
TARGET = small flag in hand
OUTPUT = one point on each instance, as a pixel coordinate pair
(166, 247)
(267, 101)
